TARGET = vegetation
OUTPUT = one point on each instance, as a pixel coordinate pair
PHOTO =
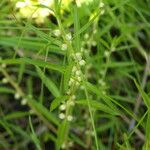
(74, 75)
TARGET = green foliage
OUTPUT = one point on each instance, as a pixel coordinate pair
(74, 74)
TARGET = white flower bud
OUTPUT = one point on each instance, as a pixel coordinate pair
(73, 97)
(57, 33)
(64, 47)
(63, 146)
(24, 101)
(82, 62)
(86, 36)
(106, 53)
(102, 12)
(77, 84)
(4, 80)
(74, 69)
(101, 4)
(101, 82)
(79, 56)
(62, 107)
(78, 72)
(17, 96)
(71, 81)
(70, 144)
(62, 116)
(68, 92)
(68, 37)
(79, 79)
(3, 65)
(69, 118)
(71, 103)
(94, 43)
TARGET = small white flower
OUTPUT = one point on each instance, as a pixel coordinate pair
(86, 36)
(63, 146)
(101, 82)
(20, 4)
(79, 79)
(77, 83)
(4, 80)
(106, 53)
(79, 56)
(71, 81)
(17, 96)
(64, 47)
(82, 62)
(78, 72)
(74, 69)
(94, 43)
(71, 103)
(68, 37)
(62, 116)
(24, 101)
(57, 33)
(68, 92)
(73, 97)
(69, 118)
(102, 12)
(3, 65)
(62, 107)
(112, 49)
(101, 4)
(70, 144)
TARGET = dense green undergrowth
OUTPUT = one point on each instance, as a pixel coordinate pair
(76, 79)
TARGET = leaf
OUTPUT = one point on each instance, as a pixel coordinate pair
(30, 44)
(56, 102)
(62, 133)
(6, 90)
(48, 83)
(41, 110)
(34, 136)
(146, 100)
(15, 115)
(143, 94)
(97, 106)
(39, 63)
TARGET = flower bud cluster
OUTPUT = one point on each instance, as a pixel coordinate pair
(64, 106)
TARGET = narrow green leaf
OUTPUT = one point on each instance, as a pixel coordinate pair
(15, 115)
(48, 83)
(33, 136)
(98, 106)
(62, 133)
(38, 107)
(39, 63)
(143, 94)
